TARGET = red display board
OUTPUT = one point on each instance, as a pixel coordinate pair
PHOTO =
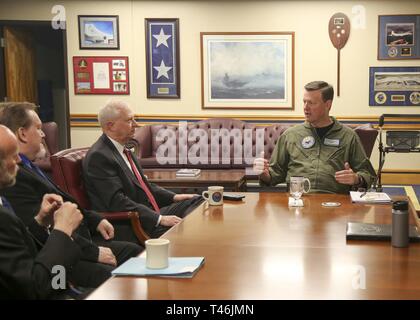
(101, 75)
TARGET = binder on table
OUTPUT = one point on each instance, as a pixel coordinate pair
(373, 231)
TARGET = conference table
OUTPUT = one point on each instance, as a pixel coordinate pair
(260, 248)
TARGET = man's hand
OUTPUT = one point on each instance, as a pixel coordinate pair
(105, 229)
(106, 256)
(169, 221)
(180, 197)
(347, 176)
(50, 203)
(261, 168)
(67, 218)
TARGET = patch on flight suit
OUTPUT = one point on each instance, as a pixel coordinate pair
(308, 142)
(332, 142)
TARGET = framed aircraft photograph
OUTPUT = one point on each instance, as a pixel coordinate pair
(98, 32)
(394, 86)
(398, 37)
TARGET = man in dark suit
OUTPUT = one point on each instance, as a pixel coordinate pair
(26, 270)
(115, 181)
(100, 255)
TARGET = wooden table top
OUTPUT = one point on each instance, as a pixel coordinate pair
(261, 249)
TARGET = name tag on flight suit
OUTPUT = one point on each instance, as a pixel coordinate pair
(332, 142)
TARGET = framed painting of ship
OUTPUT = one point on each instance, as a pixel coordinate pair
(98, 32)
(398, 37)
(247, 70)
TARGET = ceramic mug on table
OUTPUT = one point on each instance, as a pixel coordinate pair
(214, 195)
(157, 253)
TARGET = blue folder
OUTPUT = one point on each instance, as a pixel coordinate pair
(179, 267)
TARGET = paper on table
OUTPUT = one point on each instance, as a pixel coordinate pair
(295, 203)
(369, 197)
(179, 267)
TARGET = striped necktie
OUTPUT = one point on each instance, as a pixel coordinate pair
(143, 185)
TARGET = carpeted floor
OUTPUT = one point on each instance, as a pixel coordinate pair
(412, 191)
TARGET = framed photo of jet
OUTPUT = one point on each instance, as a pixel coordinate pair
(394, 86)
(398, 37)
(247, 70)
(98, 32)
(162, 58)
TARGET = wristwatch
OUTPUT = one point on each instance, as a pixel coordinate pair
(361, 181)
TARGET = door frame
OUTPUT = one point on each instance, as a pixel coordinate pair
(28, 23)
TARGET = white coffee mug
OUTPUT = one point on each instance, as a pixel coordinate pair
(297, 186)
(157, 253)
(214, 195)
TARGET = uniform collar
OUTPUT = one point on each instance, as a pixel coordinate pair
(337, 125)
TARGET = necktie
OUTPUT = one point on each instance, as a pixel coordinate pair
(35, 168)
(7, 205)
(39, 172)
(141, 181)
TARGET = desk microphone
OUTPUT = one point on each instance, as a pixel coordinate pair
(375, 181)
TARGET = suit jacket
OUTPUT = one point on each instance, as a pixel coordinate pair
(112, 186)
(25, 272)
(26, 198)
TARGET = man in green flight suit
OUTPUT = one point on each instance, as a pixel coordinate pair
(321, 149)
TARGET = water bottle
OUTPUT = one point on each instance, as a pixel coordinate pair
(399, 235)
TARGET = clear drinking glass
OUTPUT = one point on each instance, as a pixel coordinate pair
(297, 187)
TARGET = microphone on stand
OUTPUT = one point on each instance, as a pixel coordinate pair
(378, 188)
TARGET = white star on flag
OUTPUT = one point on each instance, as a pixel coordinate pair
(162, 70)
(161, 38)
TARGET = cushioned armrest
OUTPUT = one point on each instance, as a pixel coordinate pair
(133, 216)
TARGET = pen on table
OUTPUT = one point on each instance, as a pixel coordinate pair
(363, 194)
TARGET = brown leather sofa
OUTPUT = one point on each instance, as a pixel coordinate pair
(149, 138)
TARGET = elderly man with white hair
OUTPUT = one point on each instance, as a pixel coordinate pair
(115, 181)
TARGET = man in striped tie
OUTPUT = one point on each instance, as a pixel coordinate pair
(115, 181)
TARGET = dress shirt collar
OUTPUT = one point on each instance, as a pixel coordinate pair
(117, 145)
(120, 149)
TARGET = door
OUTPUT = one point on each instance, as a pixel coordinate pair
(20, 68)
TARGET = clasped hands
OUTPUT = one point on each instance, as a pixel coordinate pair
(52, 202)
(66, 217)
